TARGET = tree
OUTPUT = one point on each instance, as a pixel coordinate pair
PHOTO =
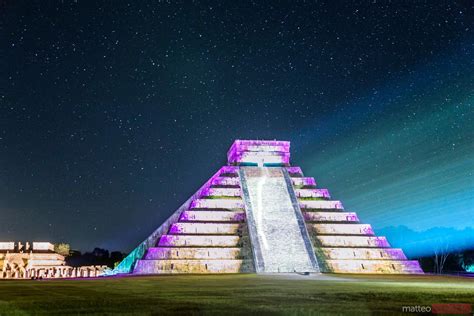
(63, 249)
(441, 253)
(467, 260)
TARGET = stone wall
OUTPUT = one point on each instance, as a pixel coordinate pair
(16, 263)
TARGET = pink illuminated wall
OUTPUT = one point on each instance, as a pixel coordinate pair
(259, 152)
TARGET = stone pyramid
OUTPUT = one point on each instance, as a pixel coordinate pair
(259, 214)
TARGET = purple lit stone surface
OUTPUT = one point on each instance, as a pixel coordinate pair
(364, 253)
(294, 170)
(259, 151)
(217, 203)
(315, 193)
(317, 204)
(204, 228)
(235, 192)
(259, 145)
(230, 181)
(198, 240)
(374, 266)
(342, 229)
(303, 181)
(188, 266)
(330, 217)
(160, 253)
(212, 216)
(202, 236)
(353, 241)
(229, 169)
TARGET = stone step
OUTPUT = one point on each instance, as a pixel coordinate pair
(303, 181)
(233, 181)
(294, 171)
(199, 241)
(234, 192)
(312, 193)
(373, 266)
(330, 217)
(211, 216)
(341, 229)
(318, 204)
(364, 253)
(189, 266)
(204, 228)
(160, 253)
(228, 169)
(352, 241)
(217, 203)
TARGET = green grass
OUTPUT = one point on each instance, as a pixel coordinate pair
(230, 294)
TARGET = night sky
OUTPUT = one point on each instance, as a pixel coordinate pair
(113, 113)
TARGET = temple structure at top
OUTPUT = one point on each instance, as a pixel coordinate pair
(259, 214)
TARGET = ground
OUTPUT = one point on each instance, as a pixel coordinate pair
(234, 294)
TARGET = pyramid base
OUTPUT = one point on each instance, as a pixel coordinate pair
(192, 266)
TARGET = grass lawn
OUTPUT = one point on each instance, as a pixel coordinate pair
(231, 294)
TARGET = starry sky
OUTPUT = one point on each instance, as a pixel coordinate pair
(113, 113)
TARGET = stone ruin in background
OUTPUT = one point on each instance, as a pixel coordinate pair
(39, 260)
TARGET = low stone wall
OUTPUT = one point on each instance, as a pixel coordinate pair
(51, 272)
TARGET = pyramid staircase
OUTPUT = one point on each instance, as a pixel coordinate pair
(215, 230)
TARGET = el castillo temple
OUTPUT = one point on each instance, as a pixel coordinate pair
(259, 214)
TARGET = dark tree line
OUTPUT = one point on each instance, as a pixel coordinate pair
(98, 256)
(448, 262)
